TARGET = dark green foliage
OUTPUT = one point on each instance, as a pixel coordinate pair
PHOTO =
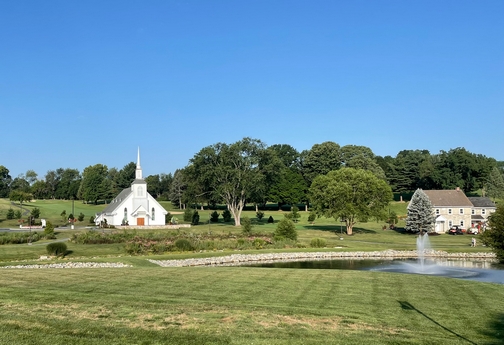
(259, 215)
(286, 230)
(195, 218)
(270, 219)
(91, 220)
(420, 217)
(71, 216)
(81, 216)
(35, 213)
(226, 215)
(392, 218)
(183, 244)
(317, 243)
(64, 216)
(295, 215)
(168, 218)
(188, 215)
(10, 214)
(246, 225)
(17, 214)
(49, 230)
(311, 217)
(18, 238)
(56, 248)
(494, 234)
(214, 217)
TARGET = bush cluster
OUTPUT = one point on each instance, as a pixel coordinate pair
(318, 243)
(56, 248)
(18, 238)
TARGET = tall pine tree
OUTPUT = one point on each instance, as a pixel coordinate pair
(420, 216)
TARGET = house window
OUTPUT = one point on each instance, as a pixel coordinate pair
(153, 214)
(450, 223)
(437, 211)
(483, 211)
(462, 223)
(473, 212)
(449, 211)
(461, 211)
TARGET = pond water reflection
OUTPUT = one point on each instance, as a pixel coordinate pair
(479, 270)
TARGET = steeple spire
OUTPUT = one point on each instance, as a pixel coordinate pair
(138, 171)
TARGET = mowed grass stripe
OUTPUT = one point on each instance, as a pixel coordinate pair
(244, 305)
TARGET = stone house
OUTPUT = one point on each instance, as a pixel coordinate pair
(453, 207)
(482, 208)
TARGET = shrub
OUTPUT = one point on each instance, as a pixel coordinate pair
(259, 215)
(81, 216)
(258, 243)
(270, 219)
(168, 218)
(286, 229)
(246, 225)
(295, 215)
(91, 220)
(49, 230)
(214, 217)
(10, 214)
(311, 217)
(195, 218)
(188, 215)
(17, 214)
(183, 244)
(226, 215)
(56, 248)
(317, 243)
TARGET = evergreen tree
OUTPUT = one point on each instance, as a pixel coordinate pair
(494, 235)
(420, 215)
(495, 184)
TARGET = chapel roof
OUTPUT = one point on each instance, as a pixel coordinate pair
(119, 198)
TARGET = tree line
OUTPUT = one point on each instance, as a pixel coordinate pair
(249, 171)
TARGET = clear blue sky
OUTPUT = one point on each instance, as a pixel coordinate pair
(87, 82)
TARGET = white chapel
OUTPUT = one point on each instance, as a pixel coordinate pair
(133, 206)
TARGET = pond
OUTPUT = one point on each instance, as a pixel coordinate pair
(478, 270)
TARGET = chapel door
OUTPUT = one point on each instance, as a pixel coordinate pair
(140, 221)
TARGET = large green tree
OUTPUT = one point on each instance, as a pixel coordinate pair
(232, 171)
(5, 181)
(320, 159)
(177, 188)
(95, 185)
(494, 234)
(420, 216)
(350, 194)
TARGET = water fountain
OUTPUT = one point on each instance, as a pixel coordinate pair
(422, 265)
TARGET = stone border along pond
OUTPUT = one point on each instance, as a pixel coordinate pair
(74, 265)
(242, 259)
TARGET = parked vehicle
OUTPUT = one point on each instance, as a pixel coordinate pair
(472, 231)
(455, 230)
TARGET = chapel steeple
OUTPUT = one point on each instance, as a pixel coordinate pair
(138, 171)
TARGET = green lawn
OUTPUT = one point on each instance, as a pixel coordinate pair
(152, 305)
(147, 304)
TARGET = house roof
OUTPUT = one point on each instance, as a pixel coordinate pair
(444, 198)
(479, 201)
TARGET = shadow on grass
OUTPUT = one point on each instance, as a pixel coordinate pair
(496, 330)
(408, 306)
(337, 229)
